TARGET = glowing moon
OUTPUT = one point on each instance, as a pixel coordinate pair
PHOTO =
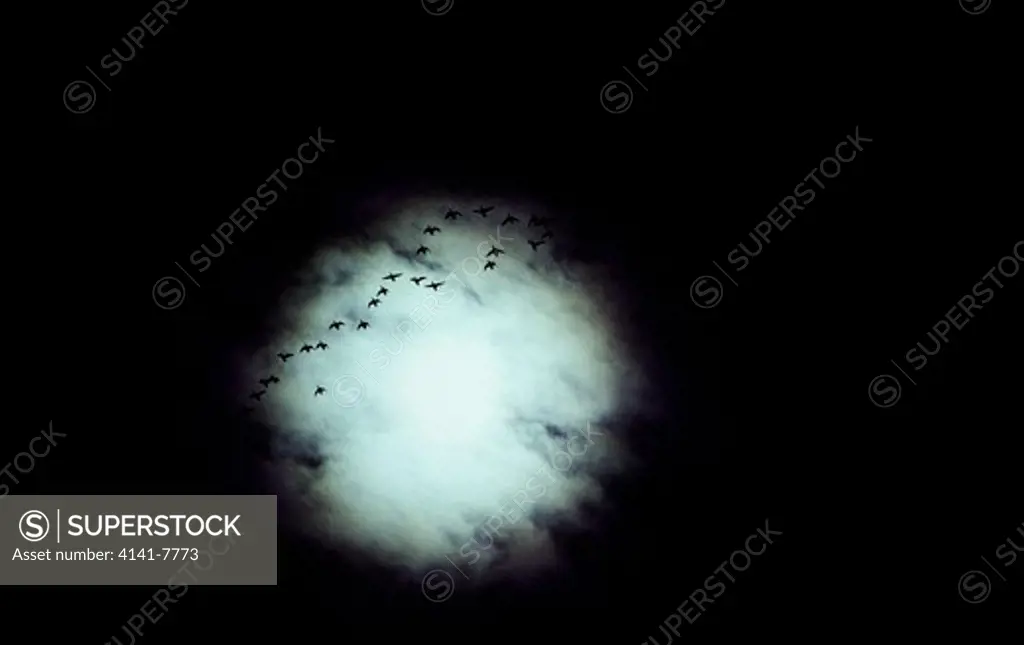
(492, 396)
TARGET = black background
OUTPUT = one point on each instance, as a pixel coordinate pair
(882, 510)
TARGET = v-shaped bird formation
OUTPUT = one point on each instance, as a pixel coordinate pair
(375, 301)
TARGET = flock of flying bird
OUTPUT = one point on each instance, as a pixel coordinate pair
(375, 301)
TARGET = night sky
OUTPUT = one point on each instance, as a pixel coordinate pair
(751, 411)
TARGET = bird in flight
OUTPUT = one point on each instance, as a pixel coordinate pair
(373, 303)
(321, 345)
(319, 390)
(383, 291)
(452, 214)
(265, 382)
(257, 395)
(423, 250)
(362, 325)
(337, 324)
(306, 348)
(392, 276)
(495, 251)
(489, 266)
(510, 219)
(431, 230)
(547, 235)
(435, 285)
(534, 244)
(418, 279)
(483, 210)
(537, 221)
(284, 357)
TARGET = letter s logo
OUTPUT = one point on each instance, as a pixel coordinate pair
(614, 101)
(431, 585)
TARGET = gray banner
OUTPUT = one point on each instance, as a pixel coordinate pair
(174, 540)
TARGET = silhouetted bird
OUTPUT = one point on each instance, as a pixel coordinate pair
(435, 285)
(373, 303)
(494, 251)
(321, 345)
(483, 210)
(431, 230)
(452, 214)
(337, 324)
(265, 382)
(510, 219)
(284, 357)
(383, 291)
(423, 250)
(392, 276)
(319, 390)
(418, 279)
(535, 244)
(547, 235)
(257, 395)
(362, 325)
(306, 348)
(537, 221)
(490, 265)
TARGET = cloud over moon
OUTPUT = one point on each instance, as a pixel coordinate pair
(501, 394)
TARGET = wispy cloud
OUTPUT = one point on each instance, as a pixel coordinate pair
(452, 398)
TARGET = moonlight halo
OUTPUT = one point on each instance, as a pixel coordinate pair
(474, 394)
